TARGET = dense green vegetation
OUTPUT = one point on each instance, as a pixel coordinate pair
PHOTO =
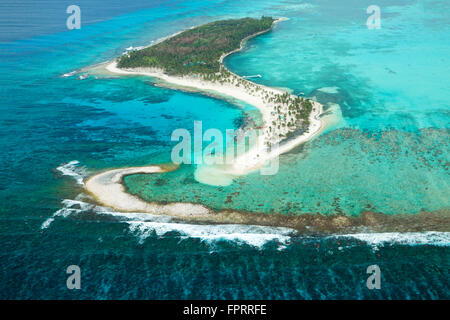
(196, 50)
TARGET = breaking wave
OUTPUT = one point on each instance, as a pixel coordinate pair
(73, 170)
(69, 207)
(144, 225)
(407, 238)
(252, 235)
(69, 74)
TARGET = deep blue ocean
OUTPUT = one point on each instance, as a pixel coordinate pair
(392, 83)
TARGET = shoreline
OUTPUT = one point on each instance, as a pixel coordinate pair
(258, 155)
(108, 188)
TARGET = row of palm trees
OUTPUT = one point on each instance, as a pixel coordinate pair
(290, 112)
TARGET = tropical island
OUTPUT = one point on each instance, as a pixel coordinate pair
(192, 60)
(289, 121)
(199, 52)
(196, 50)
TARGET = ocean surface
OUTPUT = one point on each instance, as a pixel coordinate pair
(389, 153)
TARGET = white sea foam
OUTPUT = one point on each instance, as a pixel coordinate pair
(69, 74)
(72, 169)
(144, 225)
(408, 238)
(69, 207)
(252, 235)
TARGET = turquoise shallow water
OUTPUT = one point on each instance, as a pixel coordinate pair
(391, 154)
(391, 83)
(345, 171)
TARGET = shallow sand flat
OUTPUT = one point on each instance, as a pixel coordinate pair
(108, 190)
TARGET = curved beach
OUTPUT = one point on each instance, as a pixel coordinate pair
(107, 186)
(108, 190)
(257, 156)
(251, 93)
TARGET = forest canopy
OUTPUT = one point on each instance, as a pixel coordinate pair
(196, 50)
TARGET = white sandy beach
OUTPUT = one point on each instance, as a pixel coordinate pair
(107, 186)
(108, 190)
(256, 156)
